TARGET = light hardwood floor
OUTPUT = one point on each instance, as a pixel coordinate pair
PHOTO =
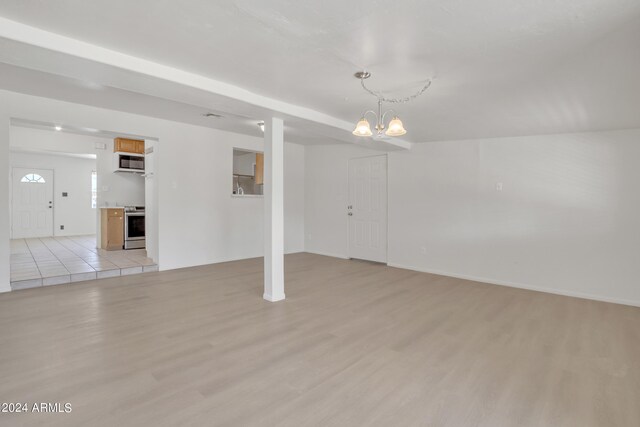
(353, 344)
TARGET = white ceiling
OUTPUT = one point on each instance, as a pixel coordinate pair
(77, 130)
(499, 67)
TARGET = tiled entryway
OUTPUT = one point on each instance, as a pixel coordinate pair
(56, 260)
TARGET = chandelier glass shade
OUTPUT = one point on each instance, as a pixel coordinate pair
(363, 128)
(394, 128)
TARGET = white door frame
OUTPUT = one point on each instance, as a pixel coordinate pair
(151, 190)
(349, 202)
(12, 195)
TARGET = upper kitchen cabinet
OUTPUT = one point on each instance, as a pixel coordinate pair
(248, 172)
(125, 145)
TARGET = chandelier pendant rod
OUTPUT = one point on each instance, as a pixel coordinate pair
(380, 124)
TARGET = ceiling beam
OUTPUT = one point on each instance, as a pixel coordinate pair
(33, 36)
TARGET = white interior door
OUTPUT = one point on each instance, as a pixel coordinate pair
(32, 203)
(367, 208)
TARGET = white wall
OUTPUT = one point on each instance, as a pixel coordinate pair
(5, 171)
(565, 222)
(294, 197)
(198, 220)
(57, 142)
(73, 176)
(206, 216)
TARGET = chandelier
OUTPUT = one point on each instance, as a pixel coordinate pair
(395, 126)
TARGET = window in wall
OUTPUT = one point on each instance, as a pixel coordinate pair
(248, 172)
(94, 189)
(33, 178)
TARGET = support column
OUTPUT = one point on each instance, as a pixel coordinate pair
(273, 210)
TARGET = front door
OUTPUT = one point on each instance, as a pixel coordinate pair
(32, 203)
(367, 208)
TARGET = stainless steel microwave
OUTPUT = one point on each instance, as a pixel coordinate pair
(128, 162)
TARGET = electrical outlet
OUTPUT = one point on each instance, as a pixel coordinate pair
(62, 227)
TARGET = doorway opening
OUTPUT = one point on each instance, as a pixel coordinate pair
(61, 182)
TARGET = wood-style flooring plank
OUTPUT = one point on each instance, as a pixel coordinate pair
(355, 343)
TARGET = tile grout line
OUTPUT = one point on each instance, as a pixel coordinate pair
(93, 251)
(34, 259)
(56, 257)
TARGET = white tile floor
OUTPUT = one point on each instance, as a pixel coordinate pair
(56, 260)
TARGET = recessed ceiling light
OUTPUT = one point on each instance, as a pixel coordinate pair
(58, 128)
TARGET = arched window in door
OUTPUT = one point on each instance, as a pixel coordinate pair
(33, 178)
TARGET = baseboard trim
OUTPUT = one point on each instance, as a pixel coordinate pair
(163, 267)
(582, 295)
(326, 254)
(272, 298)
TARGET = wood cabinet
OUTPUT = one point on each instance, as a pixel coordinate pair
(124, 145)
(112, 229)
(259, 177)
